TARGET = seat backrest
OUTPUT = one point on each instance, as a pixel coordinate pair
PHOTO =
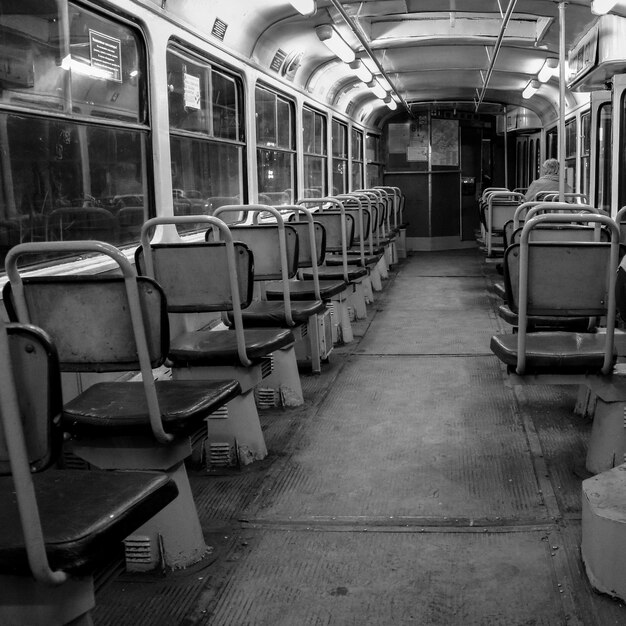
(331, 220)
(195, 278)
(305, 256)
(564, 278)
(88, 319)
(569, 232)
(31, 367)
(215, 202)
(264, 241)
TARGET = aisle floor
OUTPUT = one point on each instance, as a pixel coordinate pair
(413, 487)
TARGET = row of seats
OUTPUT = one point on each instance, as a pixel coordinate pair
(563, 286)
(497, 207)
(265, 283)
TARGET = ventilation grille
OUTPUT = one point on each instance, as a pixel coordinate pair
(267, 398)
(141, 553)
(267, 365)
(219, 29)
(278, 60)
(304, 330)
(221, 454)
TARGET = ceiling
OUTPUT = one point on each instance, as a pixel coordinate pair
(432, 51)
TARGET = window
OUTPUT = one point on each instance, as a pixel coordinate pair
(552, 143)
(275, 147)
(570, 152)
(340, 157)
(206, 134)
(373, 172)
(315, 154)
(604, 158)
(357, 159)
(585, 152)
(74, 144)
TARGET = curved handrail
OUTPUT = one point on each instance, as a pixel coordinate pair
(134, 307)
(309, 218)
(282, 245)
(20, 470)
(230, 261)
(344, 235)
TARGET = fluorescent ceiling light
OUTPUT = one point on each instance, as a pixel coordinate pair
(384, 82)
(391, 103)
(361, 71)
(306, 7)
(376, 87)
(550, 67)
(531, 89)
(370, 64)
(328, 35)
(600, 7)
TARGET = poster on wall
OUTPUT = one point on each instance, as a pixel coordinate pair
(445, 142)
(417, 150)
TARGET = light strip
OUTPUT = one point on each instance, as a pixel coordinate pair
(378, 91)
(391, 103)
(550, 67)
(361, 71)
(329, 36)
(600, 7)
(531, 89)
(306, 7)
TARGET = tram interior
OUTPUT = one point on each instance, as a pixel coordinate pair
(283, 341)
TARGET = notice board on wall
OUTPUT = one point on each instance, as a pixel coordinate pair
(445, 142)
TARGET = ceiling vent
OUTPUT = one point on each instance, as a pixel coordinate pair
(219, 29)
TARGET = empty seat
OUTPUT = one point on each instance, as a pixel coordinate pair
(57, 525)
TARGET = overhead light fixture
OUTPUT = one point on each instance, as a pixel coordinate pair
(600, 7)
(531, 89)
(391, 103)
(329, 36)
(550, 67)
(376, 87)
(384, 83)
(360, 70)
(306, 7)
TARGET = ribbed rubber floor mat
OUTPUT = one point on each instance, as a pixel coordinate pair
(433, 316)
(563, 436)
(416, 437)
(387, 578)
(445, 263)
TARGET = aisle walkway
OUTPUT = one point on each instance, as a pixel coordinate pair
(414, 487)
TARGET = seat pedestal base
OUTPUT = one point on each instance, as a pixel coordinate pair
(604, 531)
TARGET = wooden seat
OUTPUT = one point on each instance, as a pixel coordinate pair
(118, 324)
(57, 525)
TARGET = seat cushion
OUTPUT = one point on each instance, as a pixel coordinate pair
(354, 258)
(335, 273)
(272, 313)
(85, 515)
(554, 352)
(118, 408)
(538, 322)
(219, 347)
(304, 290)
(500, 290)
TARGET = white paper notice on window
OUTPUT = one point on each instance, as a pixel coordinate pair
(192, 91)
